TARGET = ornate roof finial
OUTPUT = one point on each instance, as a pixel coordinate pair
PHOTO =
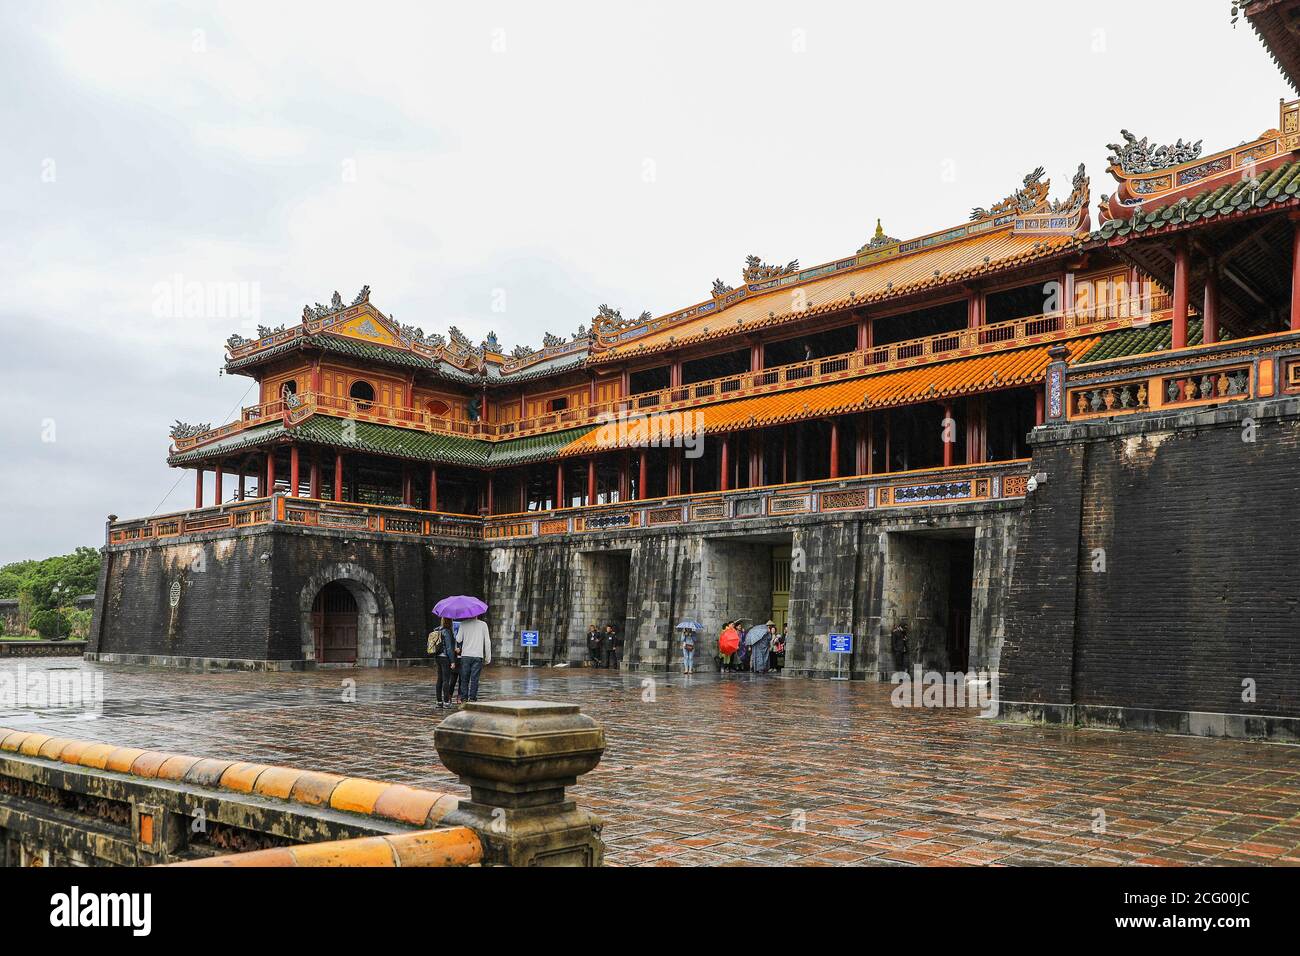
(880, 239)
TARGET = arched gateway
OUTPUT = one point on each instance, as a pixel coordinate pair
(347, 617)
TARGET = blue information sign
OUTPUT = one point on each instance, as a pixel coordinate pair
(841, 643)
(529, 639)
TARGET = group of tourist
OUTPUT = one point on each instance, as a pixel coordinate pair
(605, 647)
(760, 650)
(460, 648)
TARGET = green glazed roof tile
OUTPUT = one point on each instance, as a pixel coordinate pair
(394, 442)
(1126, 342)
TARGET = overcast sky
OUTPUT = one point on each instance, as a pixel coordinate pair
(566, 154)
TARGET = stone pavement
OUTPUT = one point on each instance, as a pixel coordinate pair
(738, 770)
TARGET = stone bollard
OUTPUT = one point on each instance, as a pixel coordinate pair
(516, 757)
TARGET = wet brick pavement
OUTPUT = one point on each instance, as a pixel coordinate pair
(742, 770)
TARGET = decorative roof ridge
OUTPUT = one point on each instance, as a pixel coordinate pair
(1026, 211)
(1039, 249)
(1152, 177)
(456, 348)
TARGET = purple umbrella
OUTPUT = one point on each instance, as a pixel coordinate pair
(459, 607)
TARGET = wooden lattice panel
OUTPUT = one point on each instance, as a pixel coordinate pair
(663, 516)
(849, 499)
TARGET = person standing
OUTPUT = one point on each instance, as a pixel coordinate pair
(761, 650)
(594, 646)
(778, 650)
(730, 637)
(475, 650)
(442, 645)
(688, 650)
(898, 636)
(613, 646)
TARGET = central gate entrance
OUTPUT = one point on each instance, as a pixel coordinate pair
(334, 625)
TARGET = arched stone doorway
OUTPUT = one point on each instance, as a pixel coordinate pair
(334, 625)
(347, 618)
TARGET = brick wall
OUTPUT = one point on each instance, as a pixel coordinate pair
(1159, 566)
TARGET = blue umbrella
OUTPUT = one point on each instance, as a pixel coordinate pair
(690, 625)
(755, 634)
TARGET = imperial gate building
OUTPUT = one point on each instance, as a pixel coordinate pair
(1058, 440)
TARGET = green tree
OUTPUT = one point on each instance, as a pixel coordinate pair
(50, 623)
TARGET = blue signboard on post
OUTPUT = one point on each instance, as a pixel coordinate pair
(840, 644)
(528, 639)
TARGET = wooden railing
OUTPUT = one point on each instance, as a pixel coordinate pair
(303, 512)
(932, 348)
(932, 486)
(863, 492)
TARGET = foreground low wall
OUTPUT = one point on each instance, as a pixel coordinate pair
(74, 802)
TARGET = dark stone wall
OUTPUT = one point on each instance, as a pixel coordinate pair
(1159, 567)
(243, 597)
(224, 606)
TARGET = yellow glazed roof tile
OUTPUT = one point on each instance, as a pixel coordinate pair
(886, 279)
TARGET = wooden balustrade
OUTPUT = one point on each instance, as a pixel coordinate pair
(939, 347)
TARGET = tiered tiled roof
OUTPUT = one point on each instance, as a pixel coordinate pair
(1233, 194)
(1278, 24)
(1020, 229)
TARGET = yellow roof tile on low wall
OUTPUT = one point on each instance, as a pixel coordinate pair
(374, 798)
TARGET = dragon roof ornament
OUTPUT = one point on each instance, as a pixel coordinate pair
(319, 311)
(756, 270)
(609, 319)
(183, 430)
(1029, 197)
(1135, 156)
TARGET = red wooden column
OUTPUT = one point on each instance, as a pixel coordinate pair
(313, 480)
(861, 450)
(198, 488)
(864, 334)
(270, 475)
(755, 459)
(338, 476)
(1038, 407)
(756, 357)
(218, 491)
(293, 471)
(1295, 275)
(490, 483)
(407, 491)
(1210, 311)
(835, 448)
(559, 484)
(242, 484)
(1181, 299)
(641, 477)
(974, 310)
(725, 483)
(433, 487)
(591, 481)
(947, 445)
